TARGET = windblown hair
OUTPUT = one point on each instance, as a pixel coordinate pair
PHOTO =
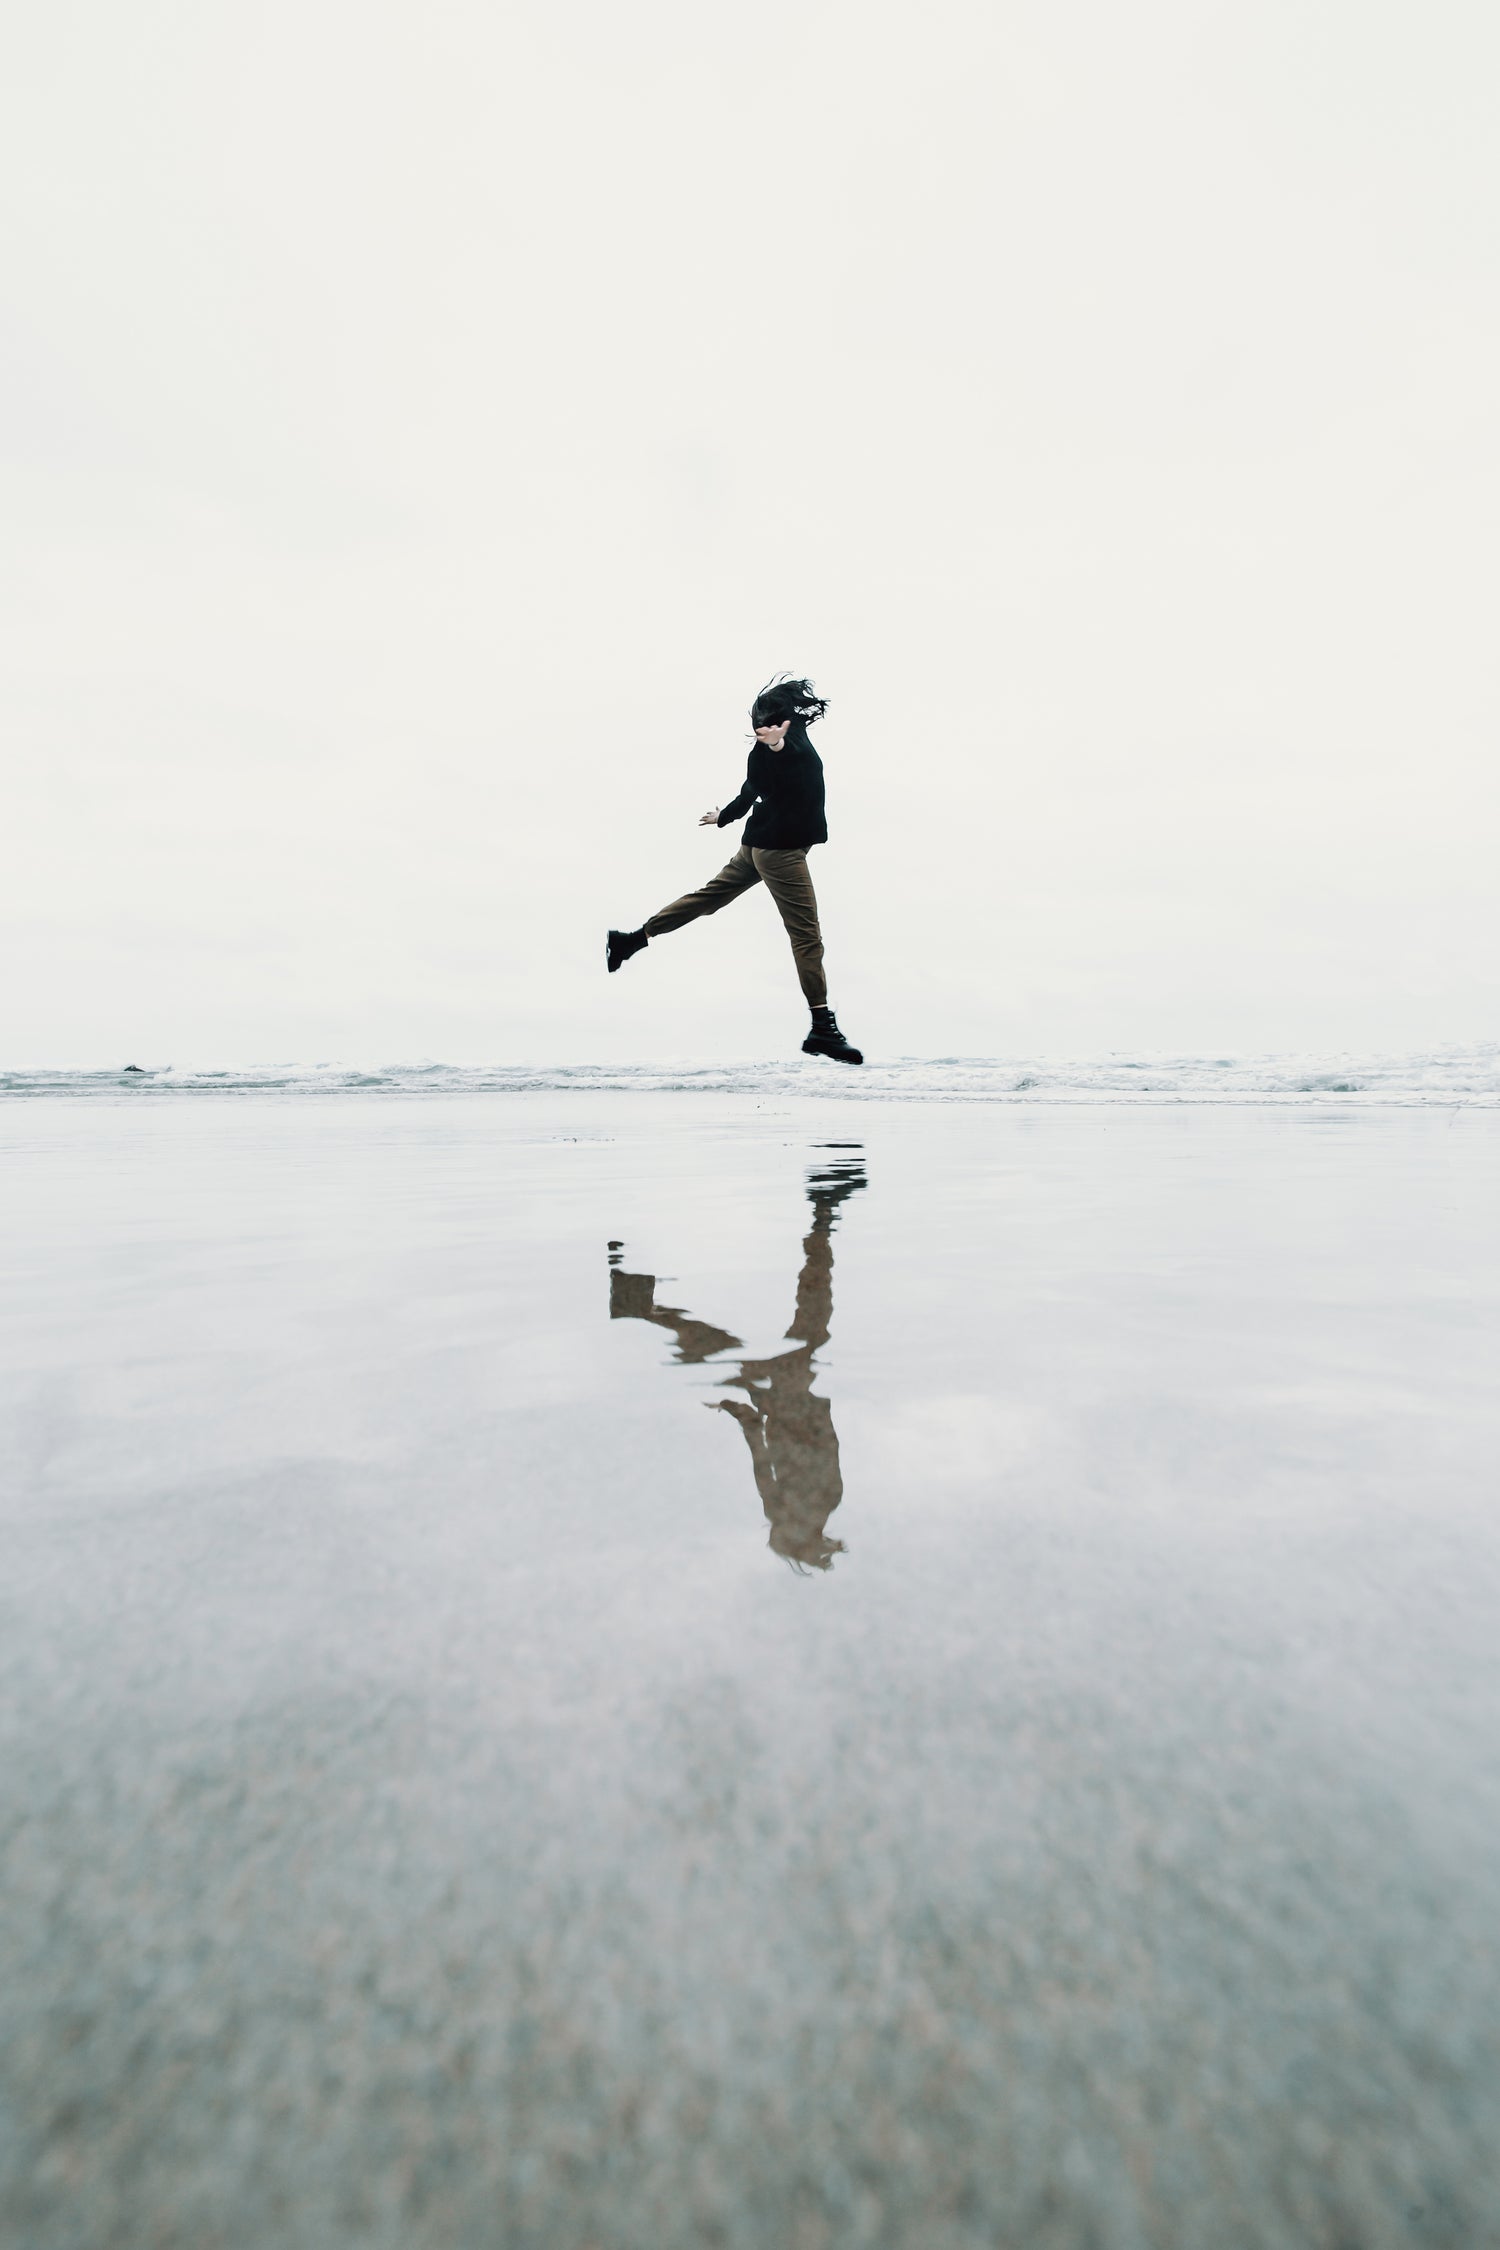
(805, 1548)
(785, 698)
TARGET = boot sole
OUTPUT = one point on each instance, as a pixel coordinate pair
(831, 1054)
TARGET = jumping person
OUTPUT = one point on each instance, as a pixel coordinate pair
(784, 783)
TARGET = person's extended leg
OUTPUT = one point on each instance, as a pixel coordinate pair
(786, 877)
(737, 876)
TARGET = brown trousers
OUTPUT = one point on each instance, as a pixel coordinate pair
(786, 878)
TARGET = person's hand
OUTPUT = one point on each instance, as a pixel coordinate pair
(710, 819)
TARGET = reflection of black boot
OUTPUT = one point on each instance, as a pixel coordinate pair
(620, 945)
(825, 1038)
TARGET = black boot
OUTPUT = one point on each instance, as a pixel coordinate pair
(825, 1038)
(620, 945)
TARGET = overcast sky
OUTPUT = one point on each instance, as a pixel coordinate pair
(428, 421)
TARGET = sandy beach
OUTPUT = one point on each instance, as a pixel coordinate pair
(641, 1671)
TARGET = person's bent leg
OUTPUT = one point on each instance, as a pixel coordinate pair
(738, 875)
(786, 877)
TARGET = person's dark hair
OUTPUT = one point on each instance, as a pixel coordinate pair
(795, 700)
(805, 1546)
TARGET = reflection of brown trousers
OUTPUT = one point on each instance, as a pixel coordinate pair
(786, 878)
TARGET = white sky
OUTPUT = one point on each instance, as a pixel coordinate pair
(425, 425)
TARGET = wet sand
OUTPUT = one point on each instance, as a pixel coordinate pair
(648, 1672)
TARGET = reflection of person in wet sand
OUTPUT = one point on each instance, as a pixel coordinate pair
(794, 1448)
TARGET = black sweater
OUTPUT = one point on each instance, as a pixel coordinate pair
(786, 788)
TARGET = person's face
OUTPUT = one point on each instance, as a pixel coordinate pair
(773, 737)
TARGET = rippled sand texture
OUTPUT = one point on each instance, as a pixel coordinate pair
(607, 1670)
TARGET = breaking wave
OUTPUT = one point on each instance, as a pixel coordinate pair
(1448, 1077)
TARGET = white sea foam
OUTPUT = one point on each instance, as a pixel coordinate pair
(1466, 1077)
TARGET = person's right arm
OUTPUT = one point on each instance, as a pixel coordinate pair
(716, 817)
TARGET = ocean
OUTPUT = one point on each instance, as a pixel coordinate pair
(1456, 1076)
